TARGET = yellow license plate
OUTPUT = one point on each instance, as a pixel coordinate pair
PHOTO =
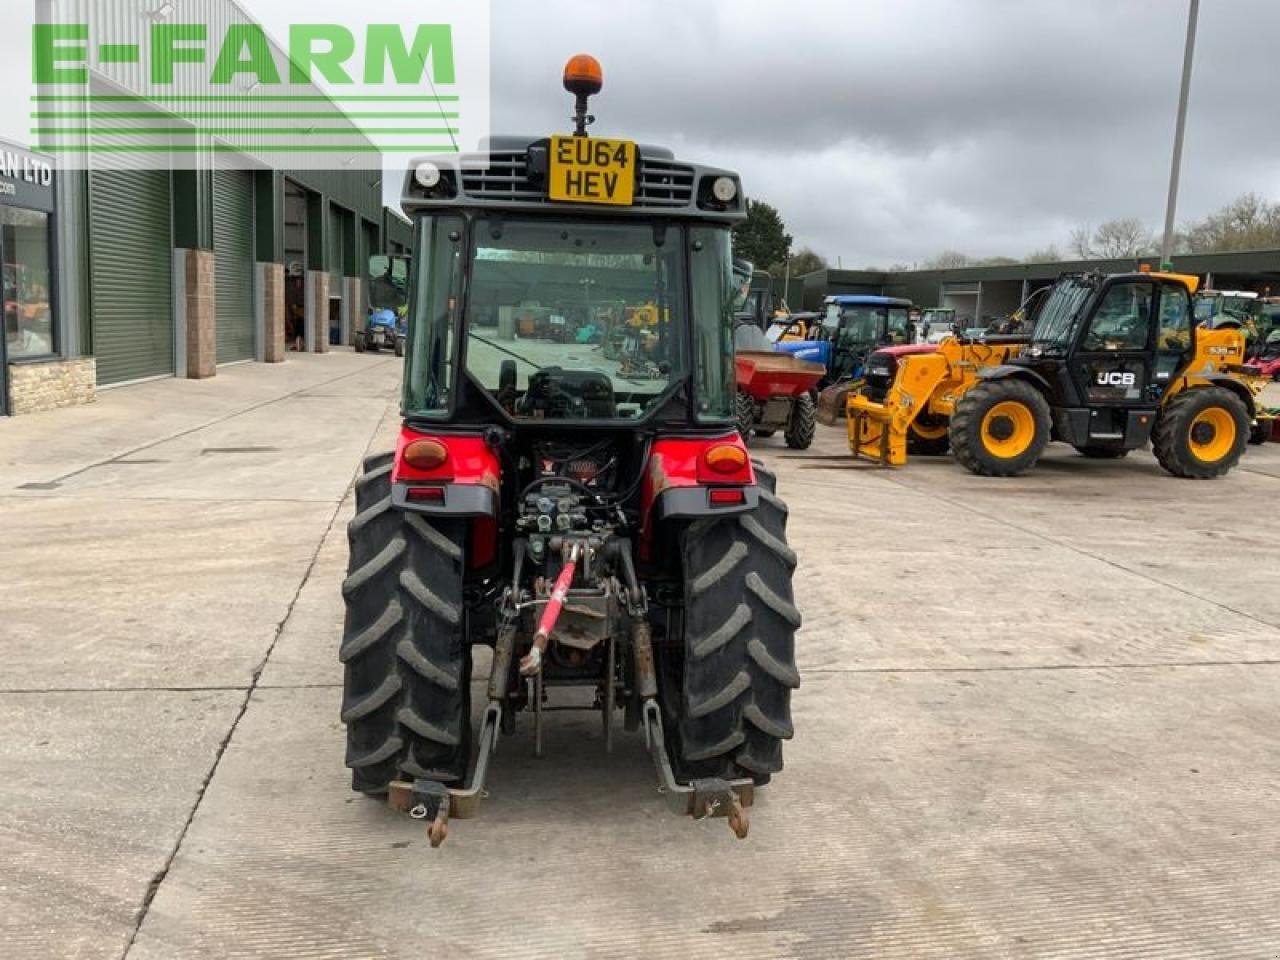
(590, 170)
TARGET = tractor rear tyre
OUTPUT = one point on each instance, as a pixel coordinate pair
(1102, 453)
(744, 409)
(406, 696)
(927, 437)
(803, 423)
(1201, 433)
(1001, 428)
(734, 701)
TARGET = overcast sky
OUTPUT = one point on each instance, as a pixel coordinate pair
(887, 131)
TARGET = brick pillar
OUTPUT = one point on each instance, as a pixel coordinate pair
(356, 311)
(318, 307)
(273, 345)
(202, 340)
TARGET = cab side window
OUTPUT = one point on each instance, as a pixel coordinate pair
(899, 327)
(1174, 332)
(1123, 319)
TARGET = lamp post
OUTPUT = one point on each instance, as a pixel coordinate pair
(1166, 245)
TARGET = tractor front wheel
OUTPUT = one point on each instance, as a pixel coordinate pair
(407, 663)
(803, 423)
(1201, 433)
(358, 341)
(1001, 428)
(733, 706)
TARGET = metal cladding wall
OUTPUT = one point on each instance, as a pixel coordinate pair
(131, 222)
(233, 206)
(397, 233)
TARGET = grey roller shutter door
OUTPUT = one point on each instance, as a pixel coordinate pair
(233, 264)
(131, 274)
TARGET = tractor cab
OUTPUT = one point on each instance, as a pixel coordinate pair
(855, 325)
(1114, 340)
(567, 482)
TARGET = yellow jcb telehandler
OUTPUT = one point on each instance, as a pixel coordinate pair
(1111, 363)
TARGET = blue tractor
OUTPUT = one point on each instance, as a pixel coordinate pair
(386, 324)
(850, 328)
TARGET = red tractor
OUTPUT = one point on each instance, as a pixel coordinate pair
(594, 521)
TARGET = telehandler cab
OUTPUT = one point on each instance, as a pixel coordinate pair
(1112, 362)
(595, 521)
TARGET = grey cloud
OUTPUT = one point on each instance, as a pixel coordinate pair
(886, 131)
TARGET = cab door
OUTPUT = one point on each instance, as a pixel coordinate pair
(1113, 361)
(1174, 335)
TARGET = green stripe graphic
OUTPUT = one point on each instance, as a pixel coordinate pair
(222, 115)
(256, 131)
(231, 98)
(231, 148)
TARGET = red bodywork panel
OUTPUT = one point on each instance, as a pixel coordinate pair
(765, 374)
(470, 461)
(678, 462)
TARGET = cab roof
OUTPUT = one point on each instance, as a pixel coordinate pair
(509, 173)
(866, 299)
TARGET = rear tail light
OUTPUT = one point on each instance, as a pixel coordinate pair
(725, 458)
(425, 495)
(426, 454)
(726, 497)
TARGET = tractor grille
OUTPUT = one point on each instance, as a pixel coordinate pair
(504, 176)
(499, 176)
(664, 183)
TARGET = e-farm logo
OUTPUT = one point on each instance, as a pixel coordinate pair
(324, 94)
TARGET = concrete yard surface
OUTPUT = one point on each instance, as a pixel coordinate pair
(1038, 716)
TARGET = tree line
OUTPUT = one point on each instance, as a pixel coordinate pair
(1250, 222)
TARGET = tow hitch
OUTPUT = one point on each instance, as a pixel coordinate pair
(433, 801)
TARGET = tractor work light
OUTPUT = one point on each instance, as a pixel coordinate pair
(426, 454)
(724, 189)
(427, 175)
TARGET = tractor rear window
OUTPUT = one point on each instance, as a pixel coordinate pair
(576, 320)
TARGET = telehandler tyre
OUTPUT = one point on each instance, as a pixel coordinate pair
(803, 423)
(404, 648)
(927, 437)
(1201, 433)
(739, 644)
(1000, 428)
